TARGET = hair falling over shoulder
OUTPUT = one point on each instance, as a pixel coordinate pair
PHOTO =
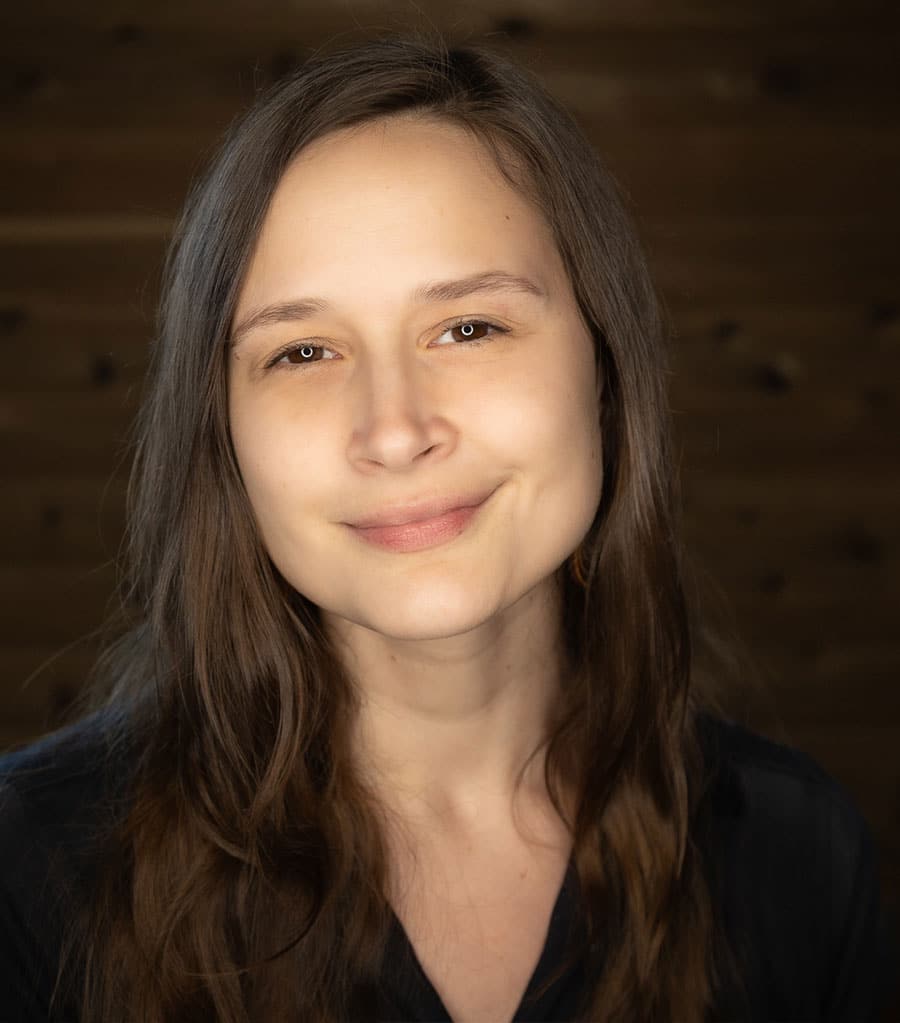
(245, 881)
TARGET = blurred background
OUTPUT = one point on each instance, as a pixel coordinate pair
(757, 144)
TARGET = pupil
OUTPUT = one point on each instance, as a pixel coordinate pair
(468, 329)
(306, 351)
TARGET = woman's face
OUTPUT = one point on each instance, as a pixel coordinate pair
(355, 392)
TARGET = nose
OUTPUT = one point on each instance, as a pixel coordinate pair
(398, 417)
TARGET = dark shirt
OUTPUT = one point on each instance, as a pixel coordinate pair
(795, 877)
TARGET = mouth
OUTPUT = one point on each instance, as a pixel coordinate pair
(422, 533)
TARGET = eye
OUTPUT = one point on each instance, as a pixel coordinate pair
(300, 355)
(473, 332)
(470, 332)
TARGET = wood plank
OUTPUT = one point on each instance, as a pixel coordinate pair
(780, 353)
(782, 165)
(53, 356)
(783, 644)
(814, 434)
(843, 387)
(708, 260)
(778, 259)
(836, 683)
(864, 334)
(773, 607)
(315, 19)
(39, 683)
(50, 604)
(788, 594)
(62, 519)
(37, 435)
(802, 602)
(861, 537)
(839, 683)
(835, 686)
(842, 516)
(758, 436)
(757, 542)
(776, 589)
(798, 166)
(590, 65)
(727, 330)
(766, 350)
(56, 230)
(112, 274)
(749, 122)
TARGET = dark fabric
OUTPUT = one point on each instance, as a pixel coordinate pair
(791, 860)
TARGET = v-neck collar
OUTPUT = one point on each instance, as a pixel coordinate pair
(411, 993)
(410, 997)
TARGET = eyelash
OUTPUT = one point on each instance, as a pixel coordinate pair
(274, 362)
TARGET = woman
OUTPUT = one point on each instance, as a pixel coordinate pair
(404, 725)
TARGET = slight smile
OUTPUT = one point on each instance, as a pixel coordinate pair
(423, 533)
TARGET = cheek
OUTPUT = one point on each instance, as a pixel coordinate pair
(571, 441)
(279, 454)
(542, 424)
(557, 410)
(586, 410)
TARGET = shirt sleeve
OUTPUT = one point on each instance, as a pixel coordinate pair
(861, 982)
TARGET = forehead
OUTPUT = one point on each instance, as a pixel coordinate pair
(402, 157)
(404, 195)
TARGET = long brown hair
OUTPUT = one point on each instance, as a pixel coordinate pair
(245, 878)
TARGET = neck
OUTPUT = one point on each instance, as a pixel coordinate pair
(447, 725)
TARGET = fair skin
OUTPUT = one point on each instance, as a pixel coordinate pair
(455, 647)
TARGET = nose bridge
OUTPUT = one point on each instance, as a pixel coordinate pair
(390, 384)
(393, 407)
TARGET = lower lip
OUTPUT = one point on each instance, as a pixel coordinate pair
(418, 536)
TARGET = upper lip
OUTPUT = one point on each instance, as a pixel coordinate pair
(419, 511)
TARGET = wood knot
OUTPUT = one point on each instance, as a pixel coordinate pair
(128, 32)
(773, 583)
(516, 27)
(103, 370)
(784, 80)
(725, 331)
(12, 317)
(858, 543)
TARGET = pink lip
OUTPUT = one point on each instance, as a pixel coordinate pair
(421, 534)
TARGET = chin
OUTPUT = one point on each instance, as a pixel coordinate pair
(417, 615)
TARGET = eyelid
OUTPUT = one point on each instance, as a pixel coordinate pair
(293, 346)
(473, 319)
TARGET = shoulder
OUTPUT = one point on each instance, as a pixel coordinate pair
(764, 783)
(55, 795)
(54, 780)
(80, 751)
(57, 792)
(73, 747)
(788, 816)
(798, 876)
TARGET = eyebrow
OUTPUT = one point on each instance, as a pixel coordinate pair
(437, 291)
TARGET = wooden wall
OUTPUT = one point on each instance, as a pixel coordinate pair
(758, 143)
